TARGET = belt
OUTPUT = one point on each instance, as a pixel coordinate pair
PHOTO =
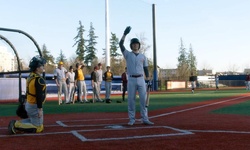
(136, 76)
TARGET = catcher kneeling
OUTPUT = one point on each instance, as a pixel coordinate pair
(36, 95)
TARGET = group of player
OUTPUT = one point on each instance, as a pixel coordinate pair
(193, 80)
(73, 81)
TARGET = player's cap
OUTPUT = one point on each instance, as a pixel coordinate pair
(60, 63)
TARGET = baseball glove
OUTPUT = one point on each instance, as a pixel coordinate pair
(21, 112)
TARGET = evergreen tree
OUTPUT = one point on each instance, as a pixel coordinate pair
(90, 48)
(80, 42)
(49, 67)
(114, 46)
(114, 53)
(116, 60)
(182, 66)
(192, 61)
(61, 58)
(46, 55)
(182, 59)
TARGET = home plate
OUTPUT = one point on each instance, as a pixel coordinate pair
(114, 127)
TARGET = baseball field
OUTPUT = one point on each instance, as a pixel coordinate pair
(206, 120)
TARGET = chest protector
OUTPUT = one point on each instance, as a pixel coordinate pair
(31, 88)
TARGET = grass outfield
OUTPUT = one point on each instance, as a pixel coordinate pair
(239, 109)
(157, 101)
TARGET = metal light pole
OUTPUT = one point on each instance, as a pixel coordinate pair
(107, 34)
(155, 73)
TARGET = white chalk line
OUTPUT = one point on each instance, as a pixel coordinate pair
(77, 134)
(181, 132)
(221, 131)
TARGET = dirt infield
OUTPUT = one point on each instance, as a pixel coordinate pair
(192, 126)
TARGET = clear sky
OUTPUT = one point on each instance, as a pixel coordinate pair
(218, 30)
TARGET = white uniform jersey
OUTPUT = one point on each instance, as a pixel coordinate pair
(135, 63)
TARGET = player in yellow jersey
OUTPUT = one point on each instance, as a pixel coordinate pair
(80, 83)
(108, 77)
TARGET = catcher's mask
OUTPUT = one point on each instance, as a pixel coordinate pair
(36, 62)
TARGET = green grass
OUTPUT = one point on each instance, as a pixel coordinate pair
(239, 109)
(157, 101)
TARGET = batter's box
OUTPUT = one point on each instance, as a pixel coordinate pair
(129, 133)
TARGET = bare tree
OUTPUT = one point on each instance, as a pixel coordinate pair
(144, 47)
(233, 68)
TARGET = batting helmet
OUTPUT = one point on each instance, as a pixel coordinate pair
(36, 62)
(133, 41)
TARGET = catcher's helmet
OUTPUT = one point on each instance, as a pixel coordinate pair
(134, 40)
(35, 62)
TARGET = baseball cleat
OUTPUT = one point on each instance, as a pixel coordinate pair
(148, 122)
(99, 100)
(11, 127)
(130, 123)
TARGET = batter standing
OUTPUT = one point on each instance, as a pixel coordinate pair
(137, 65)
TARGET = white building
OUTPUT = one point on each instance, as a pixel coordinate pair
(7, 60)
(164, 73)
(247, 70)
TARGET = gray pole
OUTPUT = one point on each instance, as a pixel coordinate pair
(107, 34)
(155, 73)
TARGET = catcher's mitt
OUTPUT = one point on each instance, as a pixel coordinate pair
(21, 112)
